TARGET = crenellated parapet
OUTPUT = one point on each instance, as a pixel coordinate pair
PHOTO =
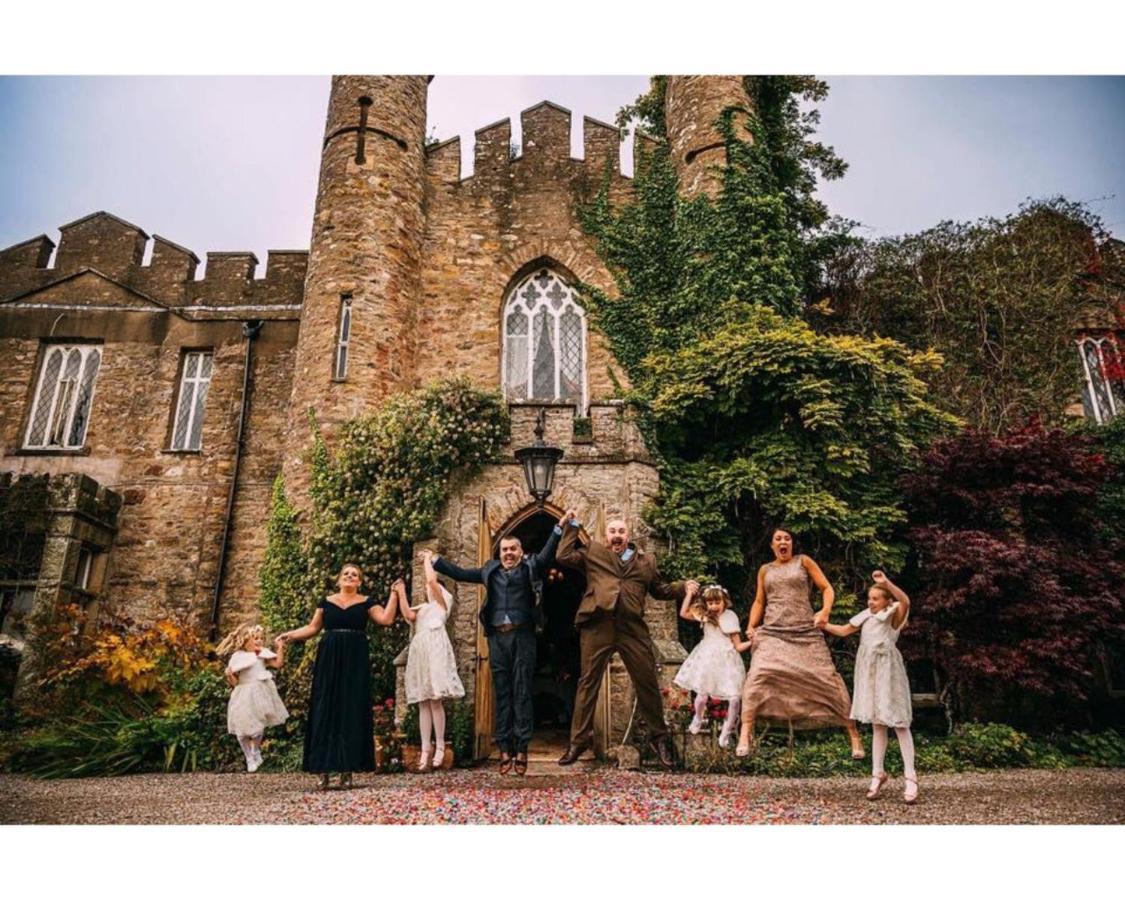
(543, 155)
(114, 249)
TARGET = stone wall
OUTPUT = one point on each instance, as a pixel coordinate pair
(512, 215)
(366, 243)
(165, 555)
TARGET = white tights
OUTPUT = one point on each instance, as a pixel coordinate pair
(879, 749)
(431, 718)
(250, 745)
(735, 704)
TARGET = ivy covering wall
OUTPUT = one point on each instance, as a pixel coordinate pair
(755, 417)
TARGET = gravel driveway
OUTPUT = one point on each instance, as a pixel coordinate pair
(605, 796)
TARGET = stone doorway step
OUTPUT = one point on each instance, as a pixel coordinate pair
(544, 752)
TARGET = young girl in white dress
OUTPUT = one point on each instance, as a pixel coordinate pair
(254, 703)
(881, 694)
(431, 667)
(714, 669)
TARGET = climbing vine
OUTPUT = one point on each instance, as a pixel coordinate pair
(754, 417)
(379, 489)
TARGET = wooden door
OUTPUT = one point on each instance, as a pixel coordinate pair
(484, 714)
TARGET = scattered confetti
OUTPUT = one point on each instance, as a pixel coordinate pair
(597, 796)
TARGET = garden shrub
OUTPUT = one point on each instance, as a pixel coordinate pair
(991, 746)
(753, 416)
(1016, 589)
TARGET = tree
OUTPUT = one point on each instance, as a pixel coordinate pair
(1017, 586)
(755, 418)
(998, 298)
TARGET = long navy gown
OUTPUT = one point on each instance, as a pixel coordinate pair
(340, 736)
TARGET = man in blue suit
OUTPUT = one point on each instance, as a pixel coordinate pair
(509, 615)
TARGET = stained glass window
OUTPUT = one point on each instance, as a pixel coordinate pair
(544, 341)
(63, 398)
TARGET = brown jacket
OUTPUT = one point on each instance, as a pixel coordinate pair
(610, 582)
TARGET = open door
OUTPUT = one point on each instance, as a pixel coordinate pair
(484, 715)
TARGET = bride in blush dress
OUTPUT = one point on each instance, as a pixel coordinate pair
(792, 678)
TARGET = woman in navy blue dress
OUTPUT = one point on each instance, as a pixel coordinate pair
(340, 732)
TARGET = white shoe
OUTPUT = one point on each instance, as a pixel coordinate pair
(724, 738)
(424, 759)
(695, 726)
(439, 757)
(252, 765)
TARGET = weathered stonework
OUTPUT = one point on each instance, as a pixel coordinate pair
(693, 104)
(427, 258)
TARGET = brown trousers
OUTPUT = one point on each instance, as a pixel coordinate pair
(598, 638)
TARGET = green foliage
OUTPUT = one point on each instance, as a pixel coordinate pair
(991, 746)
(999, 298)
(1109, 440)
(285, 602)
(971, 747)
(754, 416)
(127, 734)
(1101, 750)
(383, 487)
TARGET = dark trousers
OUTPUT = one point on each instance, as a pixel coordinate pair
(511, 657)
(598, 639)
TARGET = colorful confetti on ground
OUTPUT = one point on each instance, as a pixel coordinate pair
(602, 798)
(597, 796)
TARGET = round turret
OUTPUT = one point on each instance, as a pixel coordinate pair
(692, 106)
(356, 336)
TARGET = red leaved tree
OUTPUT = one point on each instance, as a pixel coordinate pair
(1017, 592)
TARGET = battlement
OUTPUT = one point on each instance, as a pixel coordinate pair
(114, 248)
(545, 147)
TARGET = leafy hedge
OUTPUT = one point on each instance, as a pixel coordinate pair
(971, 747)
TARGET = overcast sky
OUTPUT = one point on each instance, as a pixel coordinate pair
(218, 163)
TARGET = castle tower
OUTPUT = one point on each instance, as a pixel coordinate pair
(692, 105)
(356, 340)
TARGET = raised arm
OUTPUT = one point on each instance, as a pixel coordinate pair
(546, 557)
(828, 595)
(570, 553)
(449, 570)
(385, 614)
(898, 593)
(686, 610)
(433, 586)
(316, 624)
(404, 601)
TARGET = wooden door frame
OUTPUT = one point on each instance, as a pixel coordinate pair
(484, 704)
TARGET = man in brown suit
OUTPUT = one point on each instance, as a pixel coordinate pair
(611, 618)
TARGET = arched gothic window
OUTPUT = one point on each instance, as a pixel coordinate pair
(1103, 388)
(544, 334)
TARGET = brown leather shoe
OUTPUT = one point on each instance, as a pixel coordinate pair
(521, 764)
(573, 752)
(662, 747)
(505, 763)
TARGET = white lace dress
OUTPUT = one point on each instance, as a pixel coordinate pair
(881, 693)
(714, 667)
(431, 667)
(254, 702)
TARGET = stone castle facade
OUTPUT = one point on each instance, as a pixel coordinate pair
(162, 406)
